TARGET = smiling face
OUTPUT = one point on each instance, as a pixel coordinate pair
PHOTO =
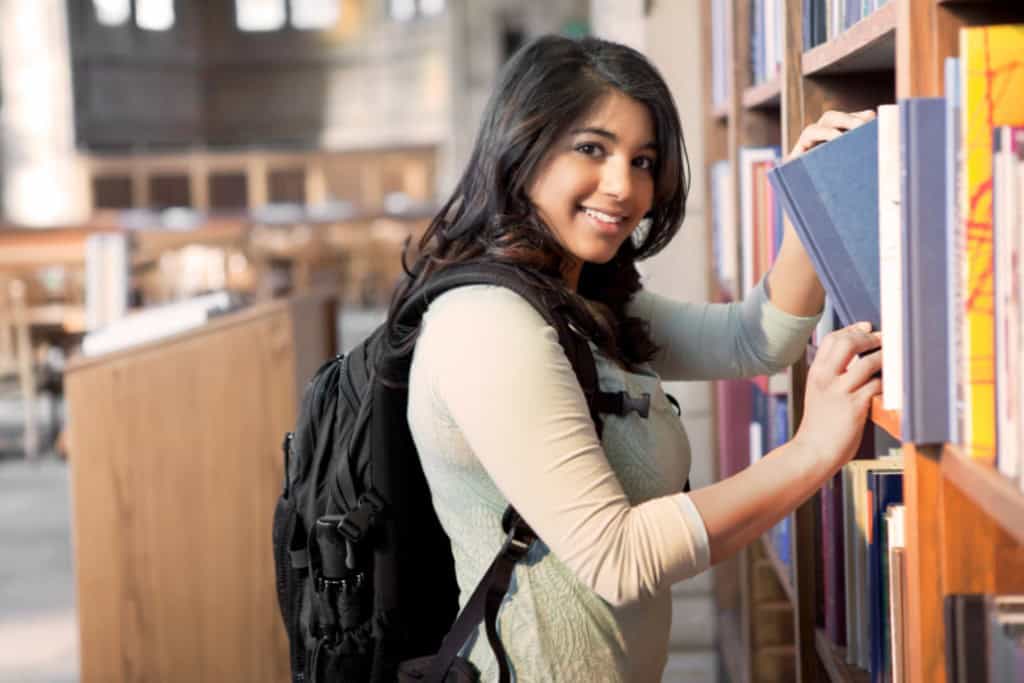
(597, 183)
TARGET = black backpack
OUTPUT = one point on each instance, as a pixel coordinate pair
(365, 575)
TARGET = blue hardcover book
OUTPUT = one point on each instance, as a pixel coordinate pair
(780, 420)
(885, 488)
(952, 221)
(925, 310)
(830, 194)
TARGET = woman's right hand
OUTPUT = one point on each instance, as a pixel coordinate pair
(840, 385)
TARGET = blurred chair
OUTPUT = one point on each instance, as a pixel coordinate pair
(16, 366)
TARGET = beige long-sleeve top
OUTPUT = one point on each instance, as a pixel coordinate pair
(498, 417)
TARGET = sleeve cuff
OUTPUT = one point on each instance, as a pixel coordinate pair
(773, 315)
(701, 551)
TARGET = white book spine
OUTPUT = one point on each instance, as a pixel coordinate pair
(1006, 322)
(1018, 237)
(890, 254)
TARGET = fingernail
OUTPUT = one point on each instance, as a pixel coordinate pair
(866, 326)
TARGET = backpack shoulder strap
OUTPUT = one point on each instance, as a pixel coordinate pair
(548, 301)
(484, 603)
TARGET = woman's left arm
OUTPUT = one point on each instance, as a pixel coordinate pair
(792, 284)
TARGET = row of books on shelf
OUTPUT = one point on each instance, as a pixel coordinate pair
(914, 222)
(823, 20)
(984, 638)
(753, 419)
(826, 19)
(864, 577)
(757, 235)
(861, 557)
(767, 23)
(863, 561)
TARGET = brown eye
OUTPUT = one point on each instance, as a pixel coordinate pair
(645, 163)
(589, 148)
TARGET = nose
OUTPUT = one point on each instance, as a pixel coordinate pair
(617, 178)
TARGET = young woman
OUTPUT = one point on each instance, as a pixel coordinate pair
(580, 170)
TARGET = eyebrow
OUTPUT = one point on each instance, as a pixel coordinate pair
(601, 132)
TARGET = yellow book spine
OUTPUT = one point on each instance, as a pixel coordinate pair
(992, 63)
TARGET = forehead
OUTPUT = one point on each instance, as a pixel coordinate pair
(629, 119)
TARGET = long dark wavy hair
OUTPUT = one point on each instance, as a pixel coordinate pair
(547, 86)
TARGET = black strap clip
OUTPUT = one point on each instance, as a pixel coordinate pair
(356, 523)
(621, 403)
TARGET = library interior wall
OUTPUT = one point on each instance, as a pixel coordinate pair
(673, 44)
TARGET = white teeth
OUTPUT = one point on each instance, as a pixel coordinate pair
(602, 216)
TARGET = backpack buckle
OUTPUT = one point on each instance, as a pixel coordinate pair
(355, 524)
(518, 542)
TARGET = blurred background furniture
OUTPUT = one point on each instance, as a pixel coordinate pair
(17, 374)
(175, 466)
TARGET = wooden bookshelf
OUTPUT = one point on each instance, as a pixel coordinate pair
(889, 420)
(992, 492)
(868, 45)
(781, 573)
(964, 520)
(762, 95)
(730, 642)
(833, 657)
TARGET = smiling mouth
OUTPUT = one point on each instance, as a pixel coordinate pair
(602, 217)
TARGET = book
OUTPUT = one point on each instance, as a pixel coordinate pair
(752, 231)
(890, 262)
(857, 519)
(157, 322)
(832, 544)
(734, 419)
(1005, 637)
(925, 362)
(830, 195)
(954, 260)
(992, 94)
(724, 242)
(885, 488)
(896, 669)
(1008, 251)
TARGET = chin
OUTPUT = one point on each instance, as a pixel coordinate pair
(600, 254)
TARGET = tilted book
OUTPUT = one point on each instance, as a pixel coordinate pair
(830, 195)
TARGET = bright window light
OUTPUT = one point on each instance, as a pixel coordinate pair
(403, 10)
(431, 7)
(154, 15)
(112, 12)
(315, 14)
(259, 15)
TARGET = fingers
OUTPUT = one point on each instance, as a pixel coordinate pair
(817, 133)
(861, 369)
(871, 389)
(829, 126)
(840, 347)
(845, 120)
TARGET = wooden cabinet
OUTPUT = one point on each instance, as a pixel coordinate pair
(175, 453)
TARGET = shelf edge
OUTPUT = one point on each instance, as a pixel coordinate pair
(854, 40)
(780, 570)
(834, 661)
(996, 495)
